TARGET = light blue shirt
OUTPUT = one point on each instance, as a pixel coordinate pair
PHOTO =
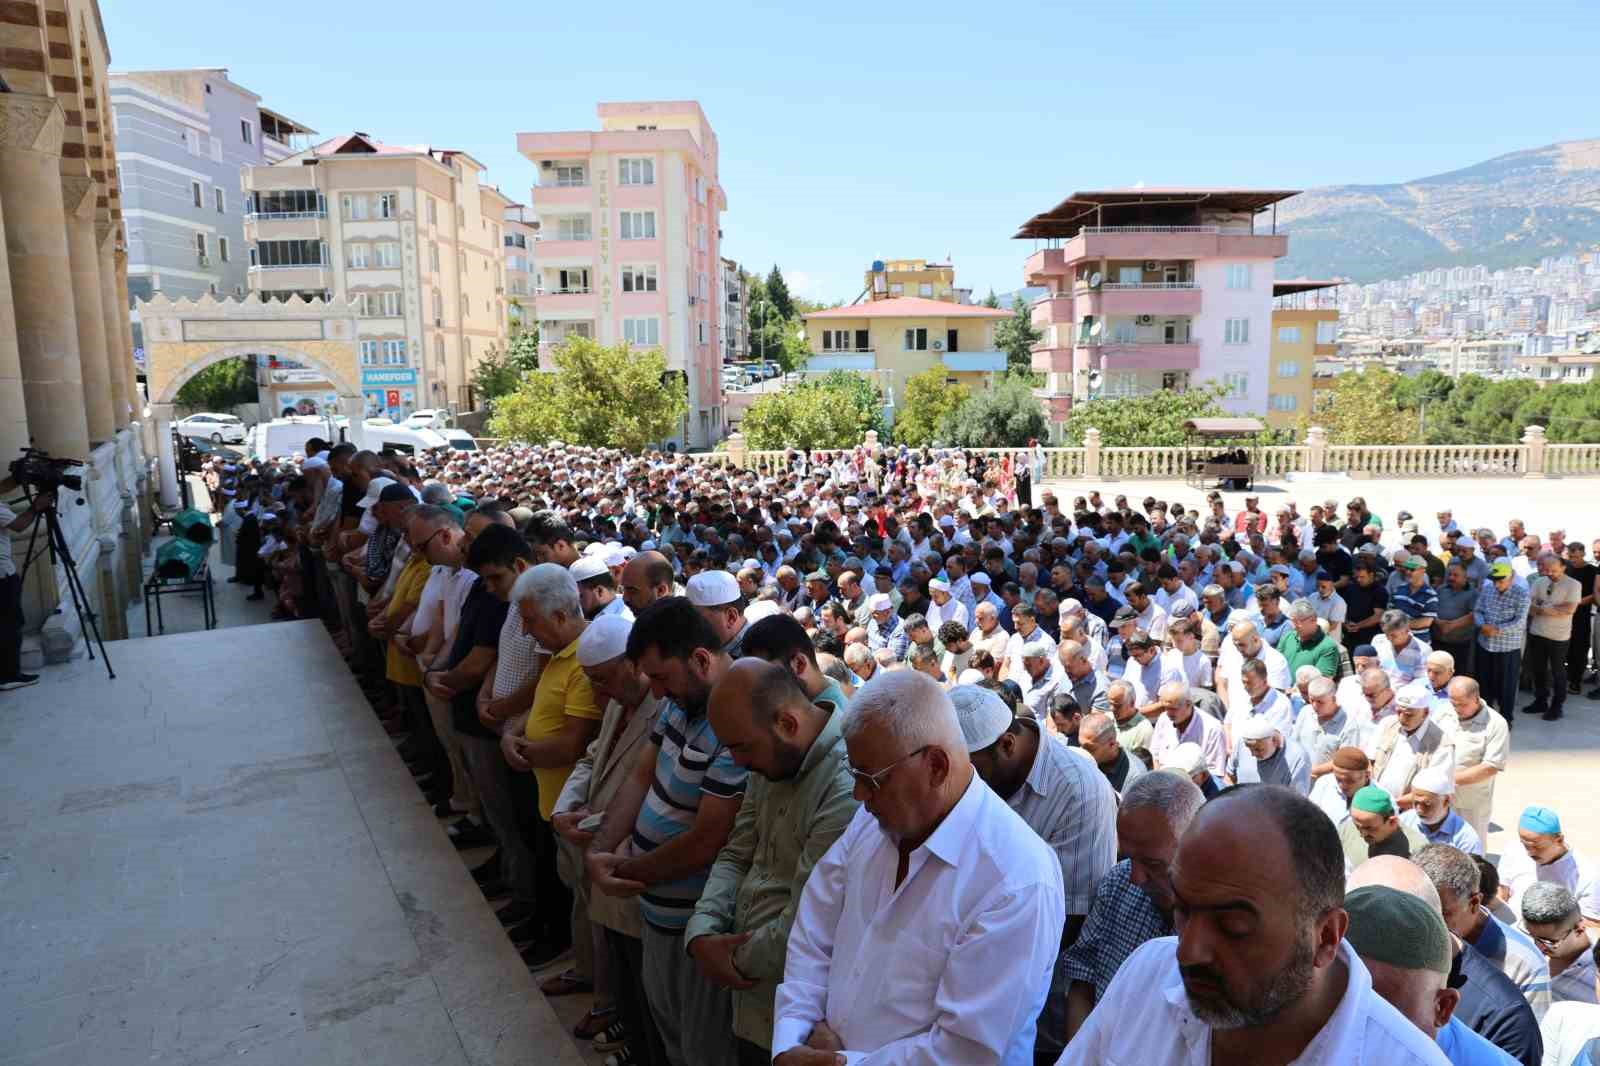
(1463, 1047)
(1454, 831)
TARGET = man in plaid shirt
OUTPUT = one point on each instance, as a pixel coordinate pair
(1501, 615)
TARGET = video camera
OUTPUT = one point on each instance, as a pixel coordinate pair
(45, 473)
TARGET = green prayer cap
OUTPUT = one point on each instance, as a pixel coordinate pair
(1387, 925)
(1373, 800)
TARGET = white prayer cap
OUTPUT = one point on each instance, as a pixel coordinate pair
(598, 547)
(1417, 694)
(588, 566)
(880, 601)
(616, 556)
(938, 584)
(984, 716)
(1186, 757)
(981, 577)
(1436, 779)
(1257, 727)
(970, 676)
(604, 639)
(713, 588)
(761, 609)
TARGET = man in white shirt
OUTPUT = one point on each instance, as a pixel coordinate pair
(1286, 990)
(945, 607)
(1545, 856)
(929, 931)
(1245, 643)
(1181, 722)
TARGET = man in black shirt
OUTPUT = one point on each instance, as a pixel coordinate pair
(1365, 599)
(1584, 573)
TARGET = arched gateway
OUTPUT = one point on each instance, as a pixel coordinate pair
(183, 337)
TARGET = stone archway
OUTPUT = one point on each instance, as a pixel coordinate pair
(184, 337)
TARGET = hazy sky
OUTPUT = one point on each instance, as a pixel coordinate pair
(858, 131)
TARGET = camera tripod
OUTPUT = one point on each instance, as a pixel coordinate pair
(59, 551)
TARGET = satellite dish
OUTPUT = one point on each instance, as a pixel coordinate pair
(1095, 378)
(1094, 280)
(877, 266)
(1097, 329)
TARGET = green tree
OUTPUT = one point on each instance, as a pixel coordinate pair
(221, 386)
(500, 372)
(1363, 410)
(777, 292)
(1007, 415)
(1151, 421)
(927, 401)
(833, 411)
(991, 300)
(1428, 387)
(616, 397)
(1016, 336)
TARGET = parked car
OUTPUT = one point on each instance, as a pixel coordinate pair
(217, 428)
(459, 439)
(427, 419)
(195, 451)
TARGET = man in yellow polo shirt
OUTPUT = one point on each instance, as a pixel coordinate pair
(552, 737)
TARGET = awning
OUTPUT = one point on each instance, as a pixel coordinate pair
(1223, 427)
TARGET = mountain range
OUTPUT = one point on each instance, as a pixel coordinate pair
(1507, 211)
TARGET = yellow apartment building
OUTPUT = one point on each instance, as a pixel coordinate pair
(1302, 333)
(911, 277)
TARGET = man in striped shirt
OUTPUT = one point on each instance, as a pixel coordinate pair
(664, 828)
(1501, 615)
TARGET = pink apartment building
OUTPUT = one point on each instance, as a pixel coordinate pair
(1155, 289)
(629, 244)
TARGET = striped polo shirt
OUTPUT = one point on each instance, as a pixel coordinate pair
(690, 762)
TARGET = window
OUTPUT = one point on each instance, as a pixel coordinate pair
(1327, 332)
(438, 350)
(700, 236)
(925, 289)
(837, 340)
(699, 189)
(573, 228)
(637, 172)
(1120, 383)
(574, 279)
(219, 198)
(1130, 275)
(286, 202)
(355, 207)
(1236, 331)
(433, 256)
(1289, 368)
(216, 149)
(1236, 384)
(705, 332)
(222, 248)
(641, 332)
(394, 353)
(1284, 401)
(247, 133)
(369, 353)
(638, 225)
(357, 257)
(196, 194)
(517, 262)
(433, 214)
(1289, 334)
(438, 307)
(191, 140)
(916, 340)
(571, 176)
(388, 254)
(1238, 275)
(200, 246)
(1124, 331)
(700, 286)
(639, 278)
(386, 205)
(390, 304)
(896, 289)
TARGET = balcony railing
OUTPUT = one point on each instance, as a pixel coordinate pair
(1151, 229)
(541, 290)
(258, 216)
(1119, 286)
(844, 351)
(292, 266)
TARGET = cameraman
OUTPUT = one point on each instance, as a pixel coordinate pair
(11, 675)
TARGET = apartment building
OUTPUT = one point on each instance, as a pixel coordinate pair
(889, 279)
(1571, 368)
(1303, 331)
(182, 137)
(1155, 289)
(889, 341)
(735, 300)
(411, 234)
(521, 240)
(629, 243)
(1488, 357)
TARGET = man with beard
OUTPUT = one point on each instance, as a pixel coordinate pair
(674, 813)
(1259, 971)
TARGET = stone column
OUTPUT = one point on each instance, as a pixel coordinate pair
(1533, 445)
(736, 449)
(125, 334)
(167, 466)
(41, 274)
(1091, 452)
(13, 412)
(84, 258)
(1316, 450)
(114, 315)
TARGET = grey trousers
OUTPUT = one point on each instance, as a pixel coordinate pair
(695, 1017)
(492, 779)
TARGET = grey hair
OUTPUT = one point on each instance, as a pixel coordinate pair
(1443, 658)
(1095, 725)
(1451, 868)
(1468, 686)
(913, 708)
(1545, 903)
(1123, 686)
(434, 515)
(1393, 619)
(436, 493)
(1174, 795)
(551, 587)
(1320, 687)
(922, 653)
(856, 653)
(1070, 650)
(1305, 674)
(1372, 673)
(1302, 609)
(1243, 627)
(1177, 690)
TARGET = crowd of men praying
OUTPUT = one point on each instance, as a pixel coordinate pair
(892, 757)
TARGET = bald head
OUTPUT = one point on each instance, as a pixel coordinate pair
(646, 578)
(763, 717)
(1402, 875)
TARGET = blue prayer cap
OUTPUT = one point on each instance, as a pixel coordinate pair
(1540, 820)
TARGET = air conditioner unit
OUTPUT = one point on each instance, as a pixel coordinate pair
(1151, 265)
(547, 164)
(1147, 320)
(938, 346)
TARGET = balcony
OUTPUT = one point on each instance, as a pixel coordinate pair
(1052, 360)
(1050, 310)
(284, 226)
(854, 359)
(974, 362)
(551, 249)
(1152, 355)
(551, 304)
(298, 278)
(562, 196)
(1147, 298)
(1152, 242)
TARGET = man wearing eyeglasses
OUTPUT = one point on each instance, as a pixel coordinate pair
(930, 929)
(1550, 915)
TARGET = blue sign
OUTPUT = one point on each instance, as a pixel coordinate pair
(397, 376)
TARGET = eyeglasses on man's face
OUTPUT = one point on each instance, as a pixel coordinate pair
(873, 782)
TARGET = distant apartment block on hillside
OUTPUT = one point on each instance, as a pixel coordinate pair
(1154, 289)
(629, 243)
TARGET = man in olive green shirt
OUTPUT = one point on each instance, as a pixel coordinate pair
(1306, 644)
(797, 803)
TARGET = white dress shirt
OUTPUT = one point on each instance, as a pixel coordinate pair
(1144, 1019)
(950, 966)
(1201, 729)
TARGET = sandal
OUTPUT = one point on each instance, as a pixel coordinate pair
(565, 983)
(593, 1023)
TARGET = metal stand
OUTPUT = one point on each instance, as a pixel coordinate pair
(155, 588)
(56, 540)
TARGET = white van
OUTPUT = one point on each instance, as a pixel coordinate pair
(404, 439)
(459, 439)
(286, 436)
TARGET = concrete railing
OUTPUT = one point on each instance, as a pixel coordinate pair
(1532, 457)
